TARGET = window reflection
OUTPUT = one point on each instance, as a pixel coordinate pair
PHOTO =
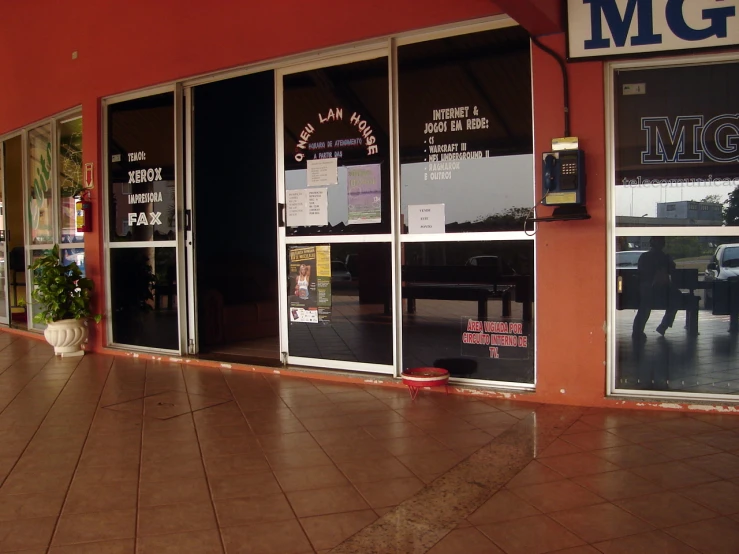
(339, 302)
(676, 154)
(466, 141)
(468, 307)
(677, 317)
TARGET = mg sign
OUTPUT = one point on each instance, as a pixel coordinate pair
(599, 28)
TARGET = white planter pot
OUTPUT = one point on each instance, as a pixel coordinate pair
(67, 336)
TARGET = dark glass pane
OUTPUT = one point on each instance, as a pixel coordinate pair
(339, 302)
(468, 307)
(677, 154)
(466, 130)
(143, 287)
(677, 314)
(142, 169)
(338, 113)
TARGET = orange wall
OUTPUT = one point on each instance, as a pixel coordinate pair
(128, 45)
(571, 255)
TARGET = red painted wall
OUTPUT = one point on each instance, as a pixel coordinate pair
(124, 46)
(571, 255)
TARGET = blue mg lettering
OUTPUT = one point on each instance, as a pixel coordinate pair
(620, 25)
(717, 17)
(666, 141)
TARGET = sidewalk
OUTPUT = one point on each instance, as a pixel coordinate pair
(114, 455)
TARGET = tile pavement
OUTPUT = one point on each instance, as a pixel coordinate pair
(117, 455)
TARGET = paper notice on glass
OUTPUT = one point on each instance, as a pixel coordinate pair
(297, 207)
(426, 218)
(323, 172)
(363, 189)
(317, 207)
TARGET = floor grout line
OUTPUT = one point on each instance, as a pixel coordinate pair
(272, 469)
(82, 448)
(202, 458)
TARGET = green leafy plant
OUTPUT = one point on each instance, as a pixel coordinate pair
(59, 291)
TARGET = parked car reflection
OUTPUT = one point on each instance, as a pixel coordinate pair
(628, 259)
(723, 265)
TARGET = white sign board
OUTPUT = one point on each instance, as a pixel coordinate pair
(307, 207)
(323, 172)
(601, 28)
(296, 206)
(317, 204)
(426, 218)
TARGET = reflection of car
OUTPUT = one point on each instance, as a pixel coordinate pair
(628, 259)
(502, 266)
(484, 261)
(724, 264)
(339, 273)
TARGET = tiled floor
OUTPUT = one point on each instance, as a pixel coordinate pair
(114, 455)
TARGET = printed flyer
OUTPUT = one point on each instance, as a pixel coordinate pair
(310, 284)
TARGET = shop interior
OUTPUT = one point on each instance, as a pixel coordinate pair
(13, 236)
(235, 219)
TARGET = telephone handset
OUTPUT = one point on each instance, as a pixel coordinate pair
(548, 178)
(563, 178)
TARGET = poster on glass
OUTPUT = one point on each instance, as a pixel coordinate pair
(310, 284)
(364, 194)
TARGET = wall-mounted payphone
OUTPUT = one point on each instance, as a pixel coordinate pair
(563, 174)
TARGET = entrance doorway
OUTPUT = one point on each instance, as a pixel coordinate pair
(12, 252)
(234, 224)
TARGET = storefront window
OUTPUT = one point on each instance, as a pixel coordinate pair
(40, 179)
(466, 166)
(676, 293)
(466, 133)
(337, 150)
(468, 307)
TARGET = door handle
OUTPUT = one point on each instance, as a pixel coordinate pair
(281, 214)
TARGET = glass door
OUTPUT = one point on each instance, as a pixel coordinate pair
(335, 200)
(41, 198)
(13, 234)
(142, 229)
(4, 304)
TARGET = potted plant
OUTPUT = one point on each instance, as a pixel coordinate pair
(61, 300)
